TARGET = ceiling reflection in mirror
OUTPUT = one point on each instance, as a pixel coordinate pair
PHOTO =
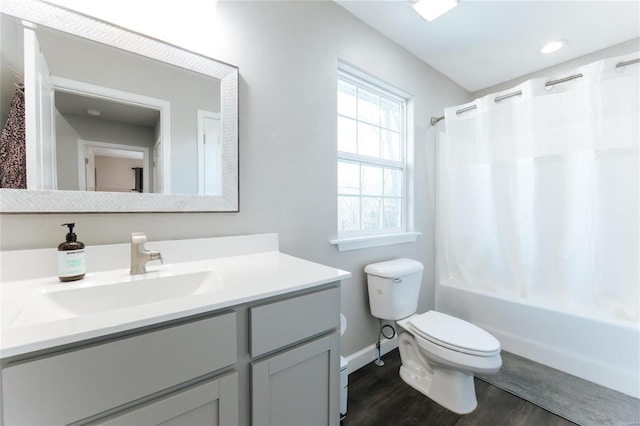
(100, 119)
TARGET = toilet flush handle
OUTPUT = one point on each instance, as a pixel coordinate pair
(397, 280)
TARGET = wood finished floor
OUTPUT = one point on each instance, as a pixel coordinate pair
(379, 397)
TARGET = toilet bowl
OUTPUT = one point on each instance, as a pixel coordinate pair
(442, 366)
(440, 354)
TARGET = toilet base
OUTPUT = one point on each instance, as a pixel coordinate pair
(454, 390)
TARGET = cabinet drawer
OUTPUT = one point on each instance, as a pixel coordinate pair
(282, 323)
(77, 384)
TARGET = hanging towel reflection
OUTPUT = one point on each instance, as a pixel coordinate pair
(13, 158)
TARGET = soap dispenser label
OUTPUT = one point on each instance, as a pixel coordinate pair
(71, 263)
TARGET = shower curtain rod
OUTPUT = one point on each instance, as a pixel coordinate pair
(436, 120)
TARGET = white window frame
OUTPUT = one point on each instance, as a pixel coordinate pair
(352, 240)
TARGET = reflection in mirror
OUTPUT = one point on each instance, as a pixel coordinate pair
(100, 144)
(107, 95)
(103, 119)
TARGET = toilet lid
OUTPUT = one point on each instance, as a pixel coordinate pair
(454, 333)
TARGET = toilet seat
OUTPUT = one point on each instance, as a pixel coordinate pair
(454, 333)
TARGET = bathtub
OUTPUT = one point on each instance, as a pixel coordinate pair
(606, 352)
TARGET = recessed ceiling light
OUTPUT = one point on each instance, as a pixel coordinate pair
(431, 9)
(553, 46)
(93, 111)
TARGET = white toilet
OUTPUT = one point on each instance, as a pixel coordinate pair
(439, 353)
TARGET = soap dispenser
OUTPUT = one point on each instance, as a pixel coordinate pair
(71, 260)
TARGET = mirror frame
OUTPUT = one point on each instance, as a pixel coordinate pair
(58, 201)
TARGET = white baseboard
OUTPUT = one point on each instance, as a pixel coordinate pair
(359, 359)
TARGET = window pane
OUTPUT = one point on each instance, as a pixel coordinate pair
(371, 213)
(368, 140)
(348, 178)
(371, 158)
(390, 111)
(391, 148)
(392, 213)
(347, 138)
(348, 214)
(392, 182)
(371, 180)
(346, 99)
(368, 106)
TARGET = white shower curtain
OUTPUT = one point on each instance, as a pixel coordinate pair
(538, 193)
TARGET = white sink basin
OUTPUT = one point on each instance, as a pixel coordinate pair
(101, 294)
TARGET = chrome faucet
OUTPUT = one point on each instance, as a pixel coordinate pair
(140, 255)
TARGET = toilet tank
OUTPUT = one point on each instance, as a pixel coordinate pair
(394, 287)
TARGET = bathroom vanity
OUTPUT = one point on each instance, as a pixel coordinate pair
(252, 338)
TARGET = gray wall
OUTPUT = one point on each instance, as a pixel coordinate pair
(70, 128)
(66, 154)
(287, 54)
(11, 41)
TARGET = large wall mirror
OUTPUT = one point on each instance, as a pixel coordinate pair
(114, 121)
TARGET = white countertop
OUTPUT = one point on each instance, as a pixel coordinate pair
(230, 281)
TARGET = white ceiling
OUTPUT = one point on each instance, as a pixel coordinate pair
(482, 43)
(77, 104)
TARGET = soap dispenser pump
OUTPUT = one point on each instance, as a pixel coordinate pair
(71, 259)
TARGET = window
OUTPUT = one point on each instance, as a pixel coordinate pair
(371, 159)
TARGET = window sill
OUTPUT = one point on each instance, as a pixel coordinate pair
(356, 243)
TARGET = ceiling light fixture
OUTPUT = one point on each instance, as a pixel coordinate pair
(93, 111)
(431, 9)
(553, 46)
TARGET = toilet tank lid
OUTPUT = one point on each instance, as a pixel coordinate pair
(394, 268)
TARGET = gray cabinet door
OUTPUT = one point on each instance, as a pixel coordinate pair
(298, 387)
(214, 402)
